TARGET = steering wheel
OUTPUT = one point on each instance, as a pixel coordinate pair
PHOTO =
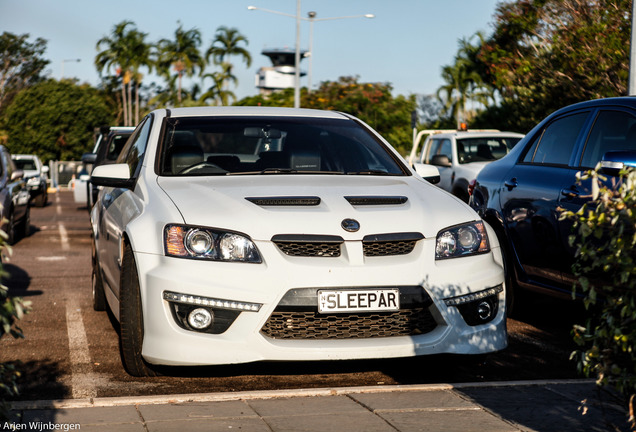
(200, 165)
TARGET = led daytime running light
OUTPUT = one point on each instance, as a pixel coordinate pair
(211, 302)
(468, 298)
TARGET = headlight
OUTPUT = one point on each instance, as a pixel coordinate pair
(33, 181)
(206, 243)
(462, 240)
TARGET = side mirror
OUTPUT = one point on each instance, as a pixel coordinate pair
(614, 161)
(17, 175)
(89, 158)
(113, 175)
(429, 173)
(441, 160)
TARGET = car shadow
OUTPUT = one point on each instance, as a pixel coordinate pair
(18, 281)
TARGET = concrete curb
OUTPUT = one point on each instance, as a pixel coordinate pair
(271, 394)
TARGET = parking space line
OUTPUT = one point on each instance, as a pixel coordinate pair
(64, 237)
(82, 377)
(58, 207)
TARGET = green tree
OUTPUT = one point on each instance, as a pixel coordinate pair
(21, 64)
(605, 264)
(372, 103)
(55, 119)
(182, 54)
(545, 54)
(227, 42)
(463, 82)
(125, 52)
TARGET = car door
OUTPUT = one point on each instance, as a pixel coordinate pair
(118, 206)
(613, 129)
(530, 196)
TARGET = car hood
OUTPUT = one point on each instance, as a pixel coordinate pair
(31, 173)
(220, 202)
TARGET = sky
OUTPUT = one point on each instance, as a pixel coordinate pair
(406, 44)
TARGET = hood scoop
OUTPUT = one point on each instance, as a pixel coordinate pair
(376, 200)
(285, 201)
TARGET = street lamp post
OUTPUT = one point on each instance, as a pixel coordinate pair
(67, 61)
(311, 18)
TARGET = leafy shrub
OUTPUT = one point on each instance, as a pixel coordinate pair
(605, 265)
(11, 310)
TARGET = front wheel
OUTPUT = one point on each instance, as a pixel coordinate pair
(131, 321)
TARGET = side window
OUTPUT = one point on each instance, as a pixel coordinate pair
(135, 148)
(556, 143)
(433, 149)
(446, 149)
(612, 131)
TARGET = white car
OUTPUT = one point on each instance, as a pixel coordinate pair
(236, 234)
(460, 155)
(36, 176)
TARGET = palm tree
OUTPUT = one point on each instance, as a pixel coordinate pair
(463, 81)
(182, 54)
(216, 92)
(227, 42)
(126, 52)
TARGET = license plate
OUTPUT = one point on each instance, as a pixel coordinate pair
(358, 300)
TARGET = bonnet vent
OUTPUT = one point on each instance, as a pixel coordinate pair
(285, 201)
(376, 200)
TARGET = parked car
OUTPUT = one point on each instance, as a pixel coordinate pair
(521, 195)
(15, 212)
(460, 155)
(108, 145)
(36, 176)
(237, 234)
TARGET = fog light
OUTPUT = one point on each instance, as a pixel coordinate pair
(200, 318)
(484, 310)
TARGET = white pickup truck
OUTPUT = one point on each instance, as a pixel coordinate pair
(460, 155)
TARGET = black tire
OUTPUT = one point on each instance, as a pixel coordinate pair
(9, 228)
(131, 321)
(42, 199)
(99, 298)
(25, 226)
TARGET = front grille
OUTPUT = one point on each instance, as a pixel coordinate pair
(388, 248)
(301, 249)
(312, 325)
(297, 317)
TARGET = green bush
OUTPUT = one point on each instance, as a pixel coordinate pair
(11, 310)
(605, 265)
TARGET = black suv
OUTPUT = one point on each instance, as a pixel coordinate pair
(521, 194)
(15, 212)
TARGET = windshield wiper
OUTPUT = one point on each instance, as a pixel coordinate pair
(368, 172)
(278, 171)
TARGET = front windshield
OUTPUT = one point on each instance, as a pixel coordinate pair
(25, 164)
(272, 145)
(484, 149)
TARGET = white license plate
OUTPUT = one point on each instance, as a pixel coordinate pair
(358, 300)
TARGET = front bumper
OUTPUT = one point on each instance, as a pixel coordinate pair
(266, 284)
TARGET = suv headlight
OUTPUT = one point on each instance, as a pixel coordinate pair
(462, 240)
(33, 181)
(185, 241)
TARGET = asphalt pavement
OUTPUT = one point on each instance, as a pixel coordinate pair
(554, 406)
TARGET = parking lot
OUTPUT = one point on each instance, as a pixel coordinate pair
(71, 351)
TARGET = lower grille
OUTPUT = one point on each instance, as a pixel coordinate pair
(309, 249)
(312, 325)
(388, 248)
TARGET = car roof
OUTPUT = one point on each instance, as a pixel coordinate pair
(626, 101)
(477, 134)
(23, 156)
(252, 111)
